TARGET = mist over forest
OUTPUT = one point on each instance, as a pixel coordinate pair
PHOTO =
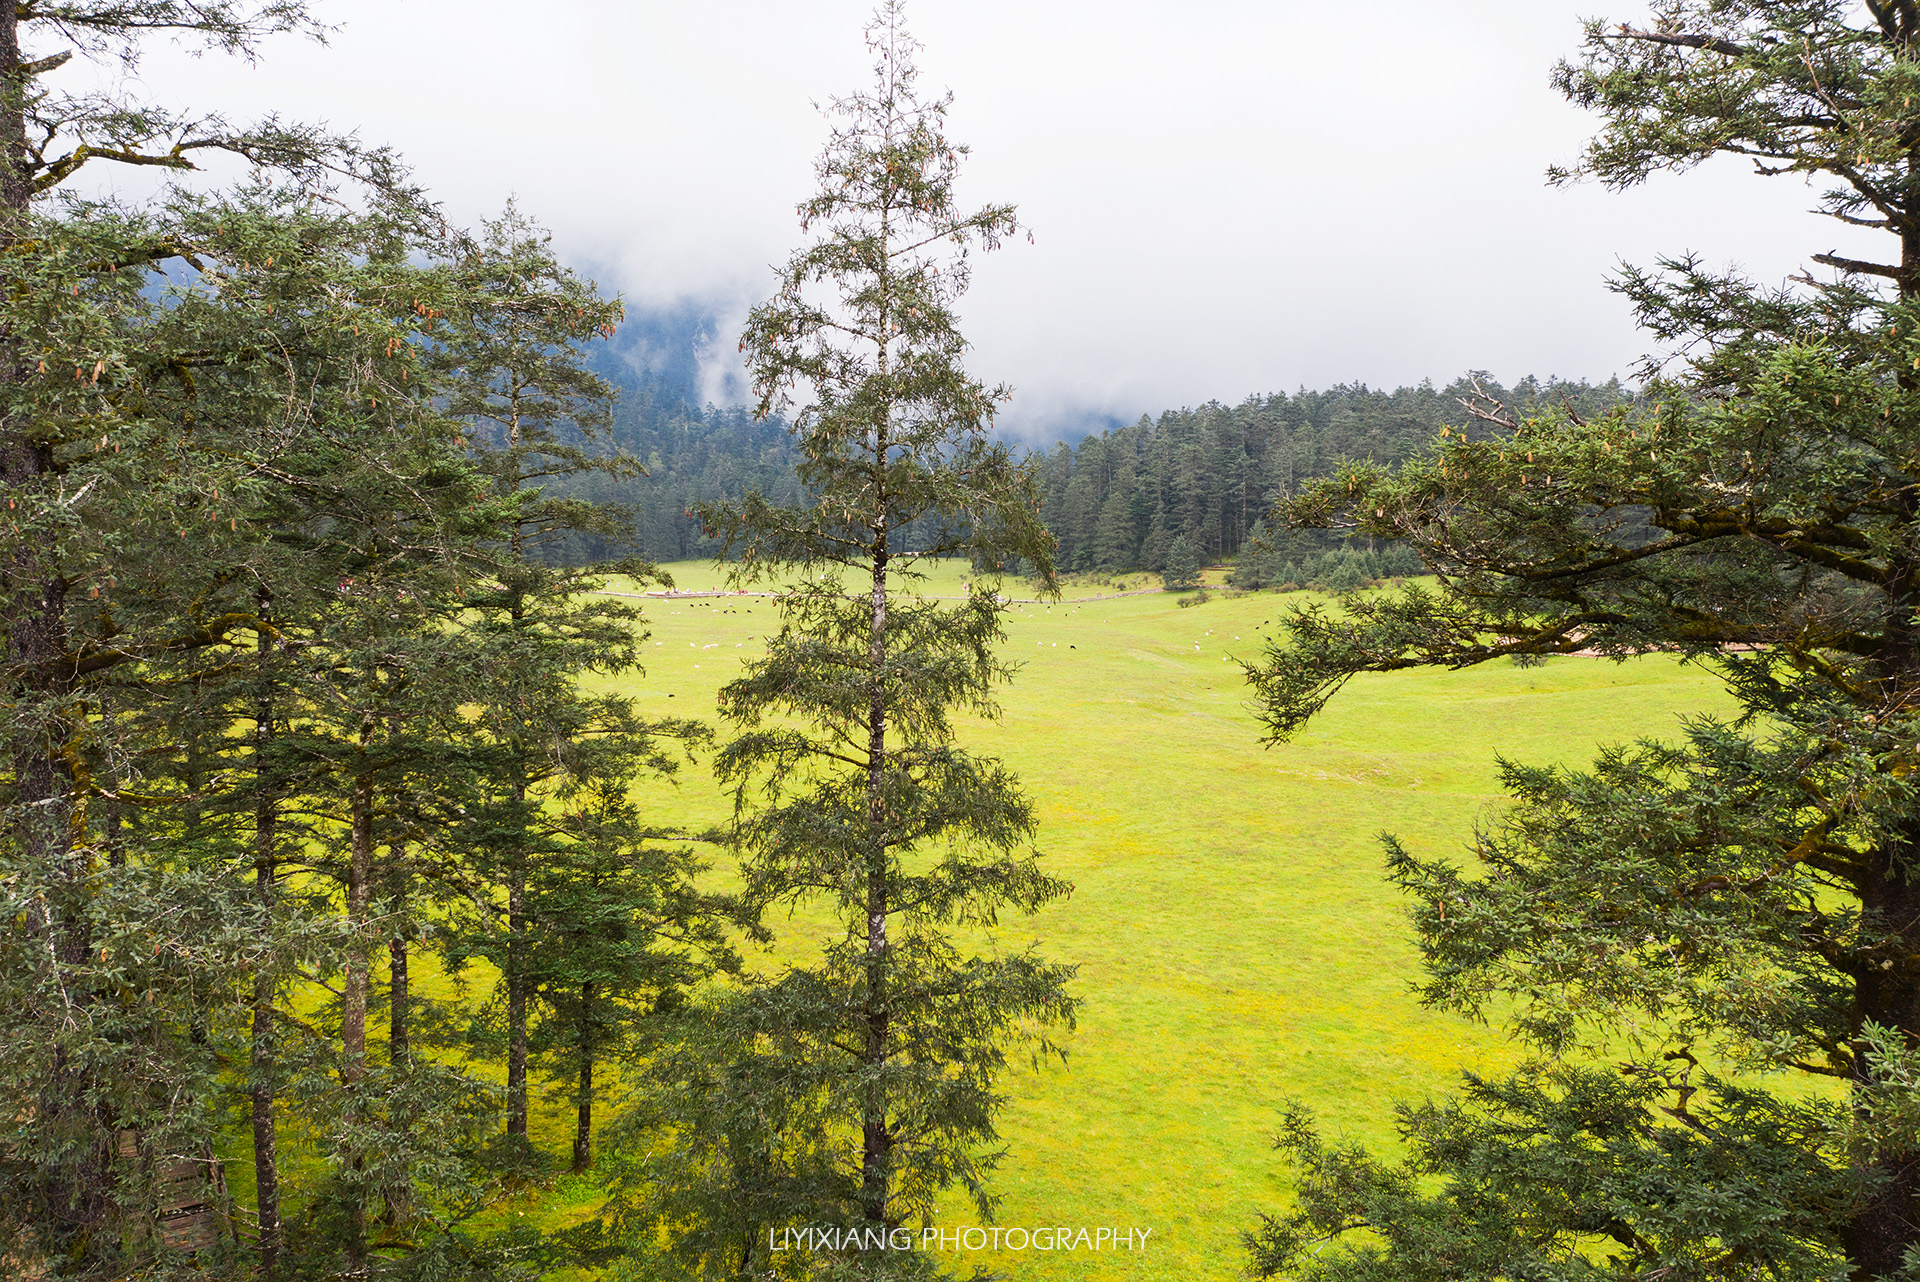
(1116, 495)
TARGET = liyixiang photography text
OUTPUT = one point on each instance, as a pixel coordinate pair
(970, 1238)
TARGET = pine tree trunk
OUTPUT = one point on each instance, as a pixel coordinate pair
(1886, 1220)
(14, 190)
(263, 1061)
(353, 997)
(113, 814)
(876, 1138)
(583, 1117)
(76, 1189)
(517, 906)
(34, 624)
(399, 976)
(400, 1000)
(398, 1196)
(517, 977)
(78, 1194)
(266, 1161)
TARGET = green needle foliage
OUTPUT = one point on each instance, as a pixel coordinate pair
(513, 367)
(265, 529)
(619, 935)
(853, 1091)
(1183, 565)
(513, 370)
(276, 659)
(118, 436)
(1681, 915)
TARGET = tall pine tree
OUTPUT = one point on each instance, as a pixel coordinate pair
(853, 1090)
(1663, 927)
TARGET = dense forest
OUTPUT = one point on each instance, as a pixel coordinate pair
(1119, 500)
(1116, 500)
(690, 455)
(343, 938)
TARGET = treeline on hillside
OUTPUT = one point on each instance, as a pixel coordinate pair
(689, 456)
(1117, 501)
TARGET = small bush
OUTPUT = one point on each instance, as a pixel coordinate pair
(1197, 598)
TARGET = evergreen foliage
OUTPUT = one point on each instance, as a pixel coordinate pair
(618, 935)
(1289, 561)
(97, 387)
(1183, 565)
(853, 1090)
(1206, 473)
(270, 532)
(1666, 924)
(1117, 501)
(305, 497)
(514, 374)
(690, 457)
(257, 716)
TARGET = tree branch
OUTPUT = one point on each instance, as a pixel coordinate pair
(1857, 264)
(40, 66)
(1717, 44)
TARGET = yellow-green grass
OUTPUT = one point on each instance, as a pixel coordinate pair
(1237, 943)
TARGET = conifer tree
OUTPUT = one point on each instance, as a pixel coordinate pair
(1682, 916)
(1114, 538)
(1183, 565)
(854, 1089)
(514, 370)
(241, 541)
(74, 311)
(619, 934)
(235, 398)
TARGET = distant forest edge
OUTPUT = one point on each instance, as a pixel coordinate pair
(1117, 500)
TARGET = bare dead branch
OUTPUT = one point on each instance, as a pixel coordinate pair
(1857, 265)
(1717, 44)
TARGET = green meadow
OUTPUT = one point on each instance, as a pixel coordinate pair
(1236, 941)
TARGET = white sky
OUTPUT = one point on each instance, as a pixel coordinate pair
(1228, 197)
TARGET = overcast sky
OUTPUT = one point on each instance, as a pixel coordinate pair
(1227, 198)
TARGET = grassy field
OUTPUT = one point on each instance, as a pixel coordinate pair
(1236, 940)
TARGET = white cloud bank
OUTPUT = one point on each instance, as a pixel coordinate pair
(1227, 198)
